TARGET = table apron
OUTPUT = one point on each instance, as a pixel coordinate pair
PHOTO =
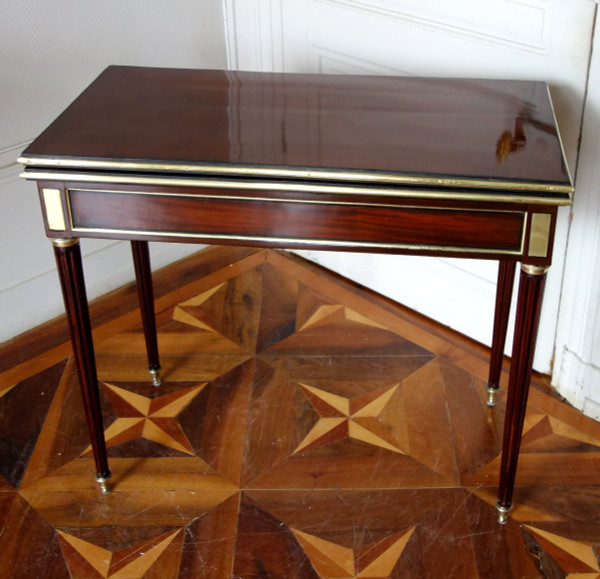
(301, 221)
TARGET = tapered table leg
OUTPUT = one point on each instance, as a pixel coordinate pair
(143, 274)
(506, 278)
(68, 260)
(531, 287)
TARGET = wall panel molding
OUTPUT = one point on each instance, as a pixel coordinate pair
(254, 31)
(518, 24)
(9, 168)
(327, 61)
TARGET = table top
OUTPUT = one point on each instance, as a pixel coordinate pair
(473, 135)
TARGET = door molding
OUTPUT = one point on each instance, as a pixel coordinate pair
(577, 374)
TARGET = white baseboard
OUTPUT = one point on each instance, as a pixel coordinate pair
(579, 382)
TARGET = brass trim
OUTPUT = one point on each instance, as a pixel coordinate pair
(308, 241)
(539, 236)
(520, 213)
(503, 513)
(60, 242)
(297, 187)
(492, 394)
(560, 141)
(55, 216)
(523, 215)
(103, 482)
(534, 269)
(155, 375)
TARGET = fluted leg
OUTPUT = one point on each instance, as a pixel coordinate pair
(506, 278)
(531, 287)
(70, 270)
(143, 274)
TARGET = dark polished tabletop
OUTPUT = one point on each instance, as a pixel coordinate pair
(417, 131)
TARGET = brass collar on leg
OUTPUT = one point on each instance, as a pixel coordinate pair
(61, 242)
(534, 269)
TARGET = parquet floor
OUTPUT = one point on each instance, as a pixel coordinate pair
(305, 428)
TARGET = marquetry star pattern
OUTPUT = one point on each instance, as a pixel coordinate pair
(540, 426)
(376, 560)
(85, 559)
(204, 311)
(190, 312)
(355, 418)
(289, 517)
(576, 558)
(331, 313)
(151, 418)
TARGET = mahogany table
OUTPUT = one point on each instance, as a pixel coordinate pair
(439, 167)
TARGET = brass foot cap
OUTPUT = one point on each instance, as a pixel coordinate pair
(105, 487)
(503, 513)
(155, 373)
(492, 394)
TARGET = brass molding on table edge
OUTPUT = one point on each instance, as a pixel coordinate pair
(32, 164)
(558, 135)
(295, 186)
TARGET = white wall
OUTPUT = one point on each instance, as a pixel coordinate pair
(50, 50)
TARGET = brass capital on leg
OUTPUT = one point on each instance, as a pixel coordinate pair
(534, 269)
(64, 242)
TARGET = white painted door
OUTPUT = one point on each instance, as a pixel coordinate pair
(532, 39)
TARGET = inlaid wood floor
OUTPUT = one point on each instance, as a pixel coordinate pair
(305, 428)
